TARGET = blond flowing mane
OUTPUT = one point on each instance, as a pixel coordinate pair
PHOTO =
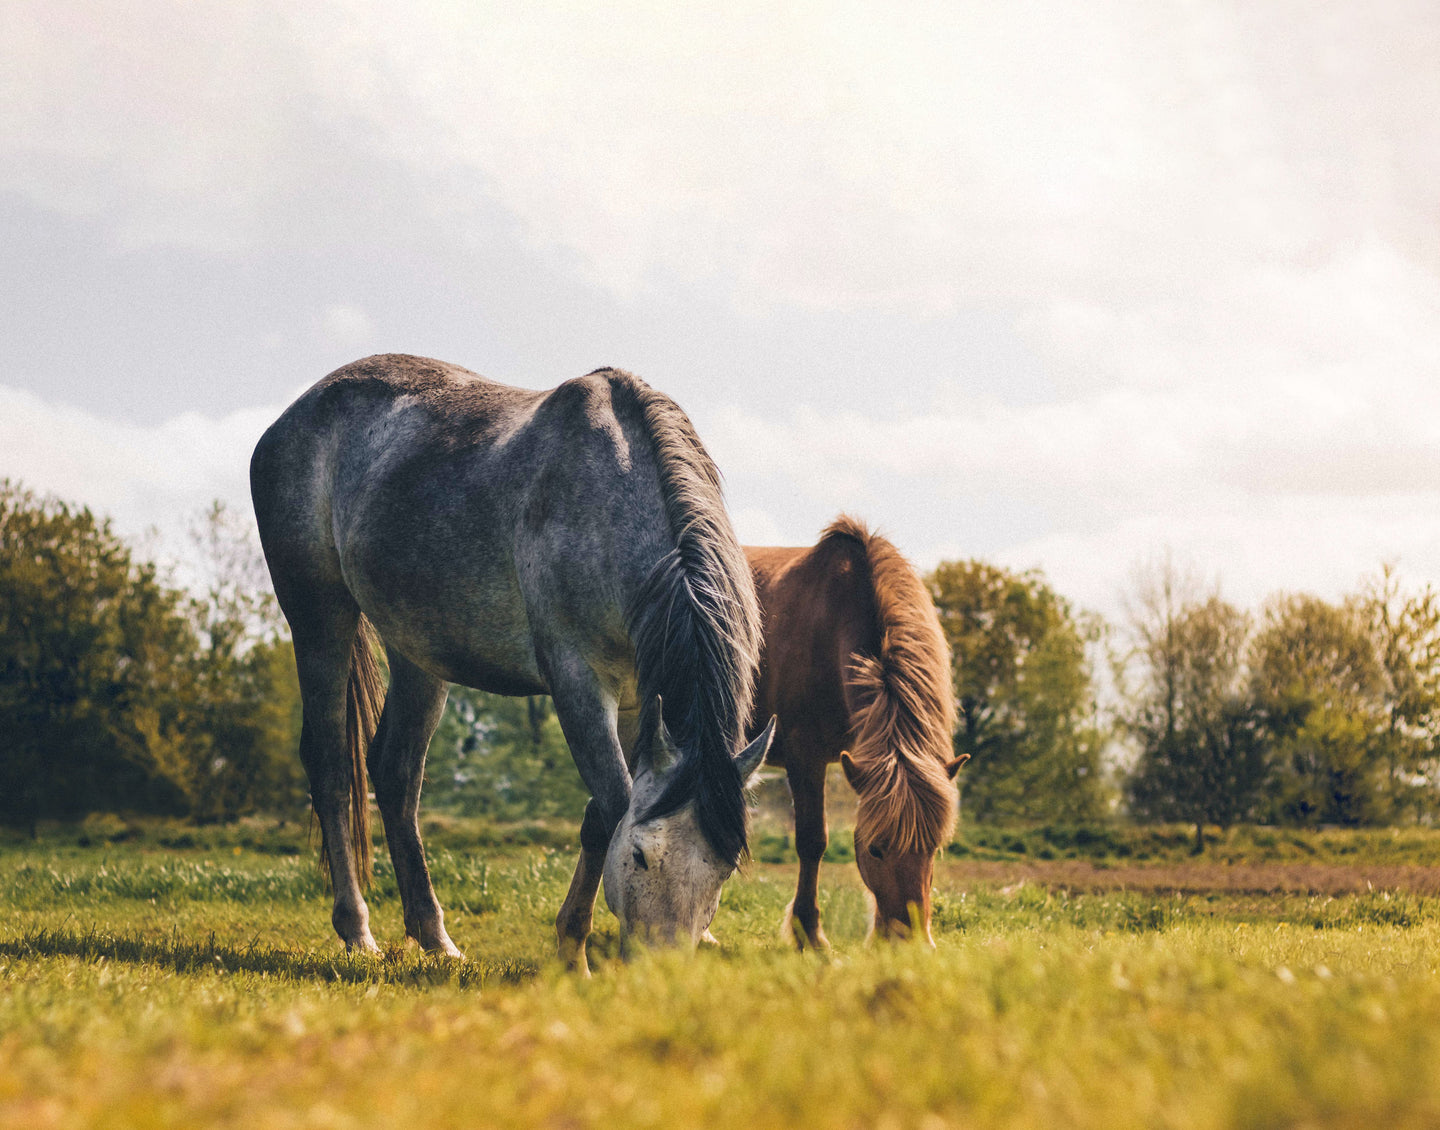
(901, 733)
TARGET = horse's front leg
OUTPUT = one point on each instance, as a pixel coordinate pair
(577, 912)
(589, 717)
(807, 790)
(413, 708)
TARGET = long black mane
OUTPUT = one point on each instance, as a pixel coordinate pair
(695, 626)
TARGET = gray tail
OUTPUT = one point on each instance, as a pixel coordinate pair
(364, 699)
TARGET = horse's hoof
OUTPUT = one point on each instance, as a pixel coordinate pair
(792, 929)
(354, 931)
(572, 955)
(435, 943)
(442, 946)
(709, 939)
(788, 931)
(815, 939)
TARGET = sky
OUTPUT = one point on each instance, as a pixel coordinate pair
(1059, 286)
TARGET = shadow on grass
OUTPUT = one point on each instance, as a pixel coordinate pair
(396, 966)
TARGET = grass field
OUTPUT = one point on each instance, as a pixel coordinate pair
(190, 978)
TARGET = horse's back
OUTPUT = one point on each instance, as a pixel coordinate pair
(396, 445)
(818, 610)
(449, 506)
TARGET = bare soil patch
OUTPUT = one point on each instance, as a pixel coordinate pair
(1196, 877)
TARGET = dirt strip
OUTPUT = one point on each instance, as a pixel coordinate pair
(1196, 878)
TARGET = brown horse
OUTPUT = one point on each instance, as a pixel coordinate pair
(857, 669)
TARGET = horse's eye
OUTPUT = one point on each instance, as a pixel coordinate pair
(639, 857)
(876, 852)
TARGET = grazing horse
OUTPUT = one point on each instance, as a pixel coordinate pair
(571, 543)
(856, 668)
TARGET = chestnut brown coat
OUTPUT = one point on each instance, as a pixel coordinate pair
(855, 666)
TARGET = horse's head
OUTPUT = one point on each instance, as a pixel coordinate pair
(898, 876)
(899, 882)
(662, 876)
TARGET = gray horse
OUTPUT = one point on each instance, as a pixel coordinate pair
(571, 543)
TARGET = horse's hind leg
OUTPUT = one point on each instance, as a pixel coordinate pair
(324, 639)
(413, 706)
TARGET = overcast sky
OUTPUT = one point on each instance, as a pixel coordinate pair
(1053, 284)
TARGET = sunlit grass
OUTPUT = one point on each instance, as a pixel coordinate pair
(167, 987)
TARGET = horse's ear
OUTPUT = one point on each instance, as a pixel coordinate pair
(660, 751)
(953, 767)
(749, 759)
(852, 774)
(665, 752)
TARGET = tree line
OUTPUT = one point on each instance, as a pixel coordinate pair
(1306, 712)
(122, 690)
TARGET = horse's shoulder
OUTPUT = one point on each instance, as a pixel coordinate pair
(842, 556)
(597, 385)
(821, 583)
(595, 402)
(838, 576)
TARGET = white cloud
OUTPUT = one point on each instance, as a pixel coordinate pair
(754, 526)
(174, 122)
(1213, 223)
(143, 477)
(345, 325)
(1261, 490)
(1301, 459)
(1313, 543)
(821, 153)
(1119, 450)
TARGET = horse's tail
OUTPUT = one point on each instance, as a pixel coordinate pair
(695, 626)
(364, 698)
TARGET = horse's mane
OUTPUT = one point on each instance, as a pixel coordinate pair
(695, 626)
(901, 733)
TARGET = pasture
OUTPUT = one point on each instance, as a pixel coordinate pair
(191, 978)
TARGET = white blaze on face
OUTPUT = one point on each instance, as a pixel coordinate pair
(662, 878)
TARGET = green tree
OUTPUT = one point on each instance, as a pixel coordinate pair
(502, 757)
(1405, 629)
(1022, 677)
(1320, 681)
(1188, 709)
(243, 697)
(92, 668)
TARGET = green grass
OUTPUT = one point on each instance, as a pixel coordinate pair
(1124, 843)
(149, 984)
